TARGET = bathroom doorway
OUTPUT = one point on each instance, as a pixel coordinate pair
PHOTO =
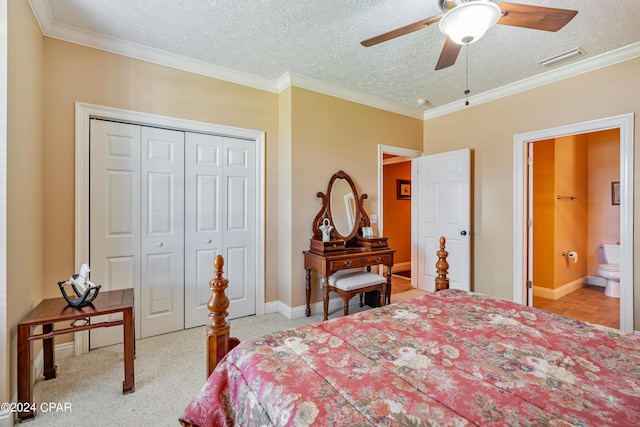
(587, 252)
(573, 215)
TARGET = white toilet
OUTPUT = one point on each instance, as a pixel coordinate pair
(610, 270)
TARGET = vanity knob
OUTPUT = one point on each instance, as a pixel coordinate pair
(159, 244)
(208, 240)
(377, 259)
(347, 263)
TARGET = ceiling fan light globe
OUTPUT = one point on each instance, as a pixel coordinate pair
(468, 22)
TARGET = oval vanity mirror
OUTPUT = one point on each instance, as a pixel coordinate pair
(343, 207)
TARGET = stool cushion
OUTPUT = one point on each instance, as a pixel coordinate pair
(350, 280)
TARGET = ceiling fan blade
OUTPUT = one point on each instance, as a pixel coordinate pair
(535, 17)
(448, 55)
(401, 31)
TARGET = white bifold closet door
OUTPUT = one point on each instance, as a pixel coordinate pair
(163, 203)
(220, 206)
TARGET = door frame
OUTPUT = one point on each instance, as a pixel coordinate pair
(85, 112)
(409, 154)
(625, 124)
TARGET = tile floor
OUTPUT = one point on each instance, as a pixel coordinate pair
(587, 303)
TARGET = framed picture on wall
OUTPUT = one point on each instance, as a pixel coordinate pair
(615, 193)
(404, 189)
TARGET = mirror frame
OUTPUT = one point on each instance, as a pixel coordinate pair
(361, 219)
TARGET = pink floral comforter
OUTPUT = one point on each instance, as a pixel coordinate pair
(450, 359)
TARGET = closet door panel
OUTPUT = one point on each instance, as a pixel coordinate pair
(203, 234)
(239, 230)
(114, 203)
(162, 242)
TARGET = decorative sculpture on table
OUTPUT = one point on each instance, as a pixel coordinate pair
(326, 228)
(85, 290)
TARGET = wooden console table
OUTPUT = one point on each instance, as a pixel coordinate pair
(328, 263)
(54, 310)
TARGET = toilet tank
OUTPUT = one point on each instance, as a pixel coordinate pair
(611, 253)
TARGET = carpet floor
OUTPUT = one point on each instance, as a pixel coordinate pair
(169, 370)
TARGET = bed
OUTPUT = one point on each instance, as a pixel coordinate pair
(447, 358)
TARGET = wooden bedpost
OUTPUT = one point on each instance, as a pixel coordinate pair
(442, 281)
(218, 341)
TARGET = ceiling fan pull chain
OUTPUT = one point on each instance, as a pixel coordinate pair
(467, 91)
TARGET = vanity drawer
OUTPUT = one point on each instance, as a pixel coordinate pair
(377, 259)
(345, 263)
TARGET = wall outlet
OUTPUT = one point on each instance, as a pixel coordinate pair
(374, 218)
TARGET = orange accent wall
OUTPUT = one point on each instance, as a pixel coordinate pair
(397, 213)
(570, 215)
(543, 208)
(583, 166)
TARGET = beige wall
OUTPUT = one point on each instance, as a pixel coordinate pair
(25, 161)
(489, 129)
(329, 135)
(76, 73)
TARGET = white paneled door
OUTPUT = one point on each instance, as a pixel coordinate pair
(162, 232)
(442, 197)
(115, 215)
(163, 203)
(220, 206)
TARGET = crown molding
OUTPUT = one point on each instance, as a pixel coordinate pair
(298, 80)
(70, 34)
(586, 65)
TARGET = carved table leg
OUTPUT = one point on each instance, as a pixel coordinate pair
(325, 298)
(48, 353)
(128, 385)
(308, 290)
(389, 285)
(25, 383)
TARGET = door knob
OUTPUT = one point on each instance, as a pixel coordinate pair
(463, 233)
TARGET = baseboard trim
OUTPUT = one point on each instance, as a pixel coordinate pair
(401, 266)
(6, 419)
(557, 293)
(61, 351)
(300, 311)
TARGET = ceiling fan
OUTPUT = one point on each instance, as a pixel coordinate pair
(466, 21)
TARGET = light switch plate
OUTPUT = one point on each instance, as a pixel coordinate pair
(374, 218)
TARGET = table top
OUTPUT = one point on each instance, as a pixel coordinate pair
(56, 309)
(351, 252)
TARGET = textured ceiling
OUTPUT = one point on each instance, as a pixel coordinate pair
(271, 43)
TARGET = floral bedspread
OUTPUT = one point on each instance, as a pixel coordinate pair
(450, 358)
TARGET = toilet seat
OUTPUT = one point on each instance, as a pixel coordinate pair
(609, 267)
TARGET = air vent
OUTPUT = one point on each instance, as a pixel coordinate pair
(562, 57)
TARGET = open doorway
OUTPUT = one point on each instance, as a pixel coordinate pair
(394, 198)
(522, 261)
(573, 216)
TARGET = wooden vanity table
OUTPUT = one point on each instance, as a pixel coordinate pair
(347, 249)
(354, 257)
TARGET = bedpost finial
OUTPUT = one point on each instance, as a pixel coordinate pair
(218, 302)
(442, 281)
